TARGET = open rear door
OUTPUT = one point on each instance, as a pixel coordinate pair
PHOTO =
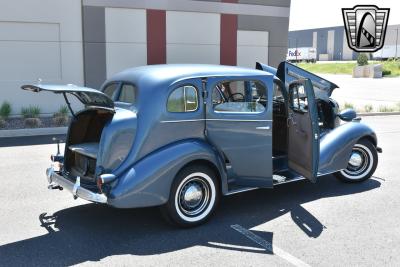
(303, 131)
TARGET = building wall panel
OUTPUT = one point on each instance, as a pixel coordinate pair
(252, 46)
(126, 39)
(193, 37)
(39, 39)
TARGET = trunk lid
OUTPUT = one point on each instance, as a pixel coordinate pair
(88, 96)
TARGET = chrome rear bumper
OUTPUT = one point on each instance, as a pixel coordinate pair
(56, 179)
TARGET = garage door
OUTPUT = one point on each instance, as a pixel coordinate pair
(252, 46)
(28, 51)
(126, 44)
(193, 37)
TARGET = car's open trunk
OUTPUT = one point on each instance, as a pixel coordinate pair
(83, 143)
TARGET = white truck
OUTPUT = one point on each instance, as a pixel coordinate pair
(308, 54)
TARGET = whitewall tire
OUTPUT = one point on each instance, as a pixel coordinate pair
(362, 163)
(193, 197)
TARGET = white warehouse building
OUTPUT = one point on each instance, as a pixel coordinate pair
(86, 41)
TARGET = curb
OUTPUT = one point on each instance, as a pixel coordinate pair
(33, 132)
(378, 114)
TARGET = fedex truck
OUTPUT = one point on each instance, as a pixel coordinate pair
(308, 54)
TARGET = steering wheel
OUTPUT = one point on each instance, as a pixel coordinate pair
(240, 94)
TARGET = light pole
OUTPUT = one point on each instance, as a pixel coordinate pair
(397, 38)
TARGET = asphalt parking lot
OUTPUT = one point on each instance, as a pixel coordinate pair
(324, 224)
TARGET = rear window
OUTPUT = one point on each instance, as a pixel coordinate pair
(183, 99)
(127, 94)
(111, 90)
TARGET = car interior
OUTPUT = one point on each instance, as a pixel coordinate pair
(239, 96)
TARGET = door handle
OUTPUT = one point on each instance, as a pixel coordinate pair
(263, 128)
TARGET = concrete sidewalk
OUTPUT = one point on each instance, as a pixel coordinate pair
(363, 91)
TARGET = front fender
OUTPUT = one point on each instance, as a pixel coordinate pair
(336, 146)
(149, 181)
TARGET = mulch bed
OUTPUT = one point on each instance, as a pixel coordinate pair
(19, 123)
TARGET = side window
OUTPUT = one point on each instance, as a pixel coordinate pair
(239, 97)
(278, 95)
(183, 99)
(127, 94)
(298, 98)
(111, 90)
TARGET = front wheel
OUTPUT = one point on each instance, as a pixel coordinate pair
(193, 197)
(362, 163)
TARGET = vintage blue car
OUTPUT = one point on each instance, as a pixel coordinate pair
(182, 136)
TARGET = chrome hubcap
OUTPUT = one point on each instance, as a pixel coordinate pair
(355, 159)
(358, 163)
(194, 196)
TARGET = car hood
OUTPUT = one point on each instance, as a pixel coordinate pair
(288, 73)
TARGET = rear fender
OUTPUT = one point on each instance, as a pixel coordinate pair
(336, 146)
(149, 181)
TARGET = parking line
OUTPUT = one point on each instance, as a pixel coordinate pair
(268, 246)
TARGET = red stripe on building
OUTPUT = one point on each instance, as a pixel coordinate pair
(228, 46)
(156, 37)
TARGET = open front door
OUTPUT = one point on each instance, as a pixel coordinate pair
(303, 131)
(288, 73)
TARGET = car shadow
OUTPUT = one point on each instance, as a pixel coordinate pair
(92, 232)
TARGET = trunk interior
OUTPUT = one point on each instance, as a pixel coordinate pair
(83, 143)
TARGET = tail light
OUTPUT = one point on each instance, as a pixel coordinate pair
(100, 184)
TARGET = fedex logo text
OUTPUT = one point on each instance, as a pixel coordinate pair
(296, 53)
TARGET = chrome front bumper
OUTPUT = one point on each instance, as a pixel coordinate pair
(56, 179)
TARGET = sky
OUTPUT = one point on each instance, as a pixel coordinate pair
(309, 14)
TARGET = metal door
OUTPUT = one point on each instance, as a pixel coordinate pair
(239, 125)
(303, 131)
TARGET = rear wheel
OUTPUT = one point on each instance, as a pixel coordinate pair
(362, 163)
(193, 197)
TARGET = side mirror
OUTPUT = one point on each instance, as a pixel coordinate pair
(347, 115)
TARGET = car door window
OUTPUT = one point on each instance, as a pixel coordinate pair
(127, 94)
(239, 97)
(298, 98)
(183, 99)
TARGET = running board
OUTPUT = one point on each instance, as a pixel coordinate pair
(286, 177)
(240, 190)
(281, 178)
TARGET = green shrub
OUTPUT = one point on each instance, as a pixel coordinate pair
(60, 118)
(368, 108)
(63, 111)
(348, 105)
(386, 109)
(386, 72)
(362, 59)
(30, 112)
(5, 110)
